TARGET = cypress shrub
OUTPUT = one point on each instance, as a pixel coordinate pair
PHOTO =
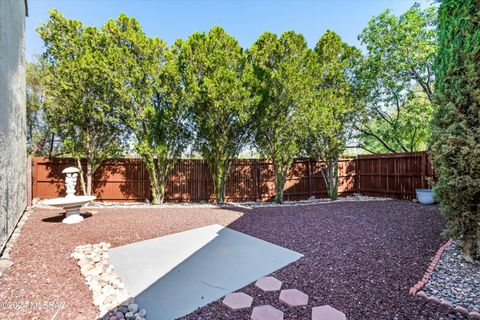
(455, 138)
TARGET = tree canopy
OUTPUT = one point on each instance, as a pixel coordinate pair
(282, 86)
(79, 91)
(99, 91)
(150, 99)
(39, 134)
(397, 80)
(214, 73)
(331, 114)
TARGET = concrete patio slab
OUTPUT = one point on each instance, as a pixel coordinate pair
(174, 275)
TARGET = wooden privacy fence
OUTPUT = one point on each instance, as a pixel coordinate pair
(390, 175)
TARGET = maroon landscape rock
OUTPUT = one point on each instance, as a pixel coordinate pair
(360, 257)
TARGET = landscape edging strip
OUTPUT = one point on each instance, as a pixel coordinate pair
(416, 290)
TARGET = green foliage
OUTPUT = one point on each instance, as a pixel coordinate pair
(396, 79)
(214, 74)
(403, 130)
(334, 105)
(79, 92)
(282, 85)
(150, 97)
(100, 89)
(456, 124)
(40, 137)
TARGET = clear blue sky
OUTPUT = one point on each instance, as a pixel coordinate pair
(244, 19)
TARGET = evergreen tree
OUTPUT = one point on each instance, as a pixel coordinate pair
(79, 94)
(332, 112)
(456, 124)
(282, 85)
(213, 68)
(151, 101)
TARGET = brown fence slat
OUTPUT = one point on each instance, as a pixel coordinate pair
(390, 175)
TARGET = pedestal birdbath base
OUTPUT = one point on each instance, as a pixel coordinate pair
(71, 203)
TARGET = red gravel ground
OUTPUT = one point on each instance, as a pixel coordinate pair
(360, 257)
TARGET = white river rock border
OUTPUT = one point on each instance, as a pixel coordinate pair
(109, 292)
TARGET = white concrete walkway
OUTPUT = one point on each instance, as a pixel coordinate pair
(174, 275)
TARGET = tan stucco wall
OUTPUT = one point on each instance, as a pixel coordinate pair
(12, 116)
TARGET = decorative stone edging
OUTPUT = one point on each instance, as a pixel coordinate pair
(109, 292)
(5, 261)
(416, 290)
(244, 205)
(420, 284)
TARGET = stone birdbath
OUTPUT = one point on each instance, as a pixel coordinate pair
(71, 203)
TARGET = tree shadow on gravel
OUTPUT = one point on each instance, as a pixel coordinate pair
(360, 257)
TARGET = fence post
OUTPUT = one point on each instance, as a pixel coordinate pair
(204, 182)
(357, 169)
(254, 177)
(29, 180)
(309, 178)
(34, 178)
(423, 164)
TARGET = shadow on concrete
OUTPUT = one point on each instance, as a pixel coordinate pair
(174, 275)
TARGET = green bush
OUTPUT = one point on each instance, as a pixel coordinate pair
(456, 124)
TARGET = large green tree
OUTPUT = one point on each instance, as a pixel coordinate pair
(40, 137)
(151, 99)
(79, 89)
(397, 80)
(456, 125)
(283, 87)
(331, 115)
(214, 75)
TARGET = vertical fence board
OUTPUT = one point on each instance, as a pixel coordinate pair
(388, 175)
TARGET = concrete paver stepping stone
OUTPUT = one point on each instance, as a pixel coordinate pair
(237, 300)
(266, 313)
(268, 284)
(327, 312)
(293, 297)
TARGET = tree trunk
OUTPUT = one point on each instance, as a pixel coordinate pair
(333, 185)
(50, 150)
(470, 248)
(157, 192)
(89, 177)
(218, 183)
(280, 176)
(89, 157)
(157, 195)
(330, 176)
(82, 179)
(219, 170)
(158, 172)
(162, 183)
